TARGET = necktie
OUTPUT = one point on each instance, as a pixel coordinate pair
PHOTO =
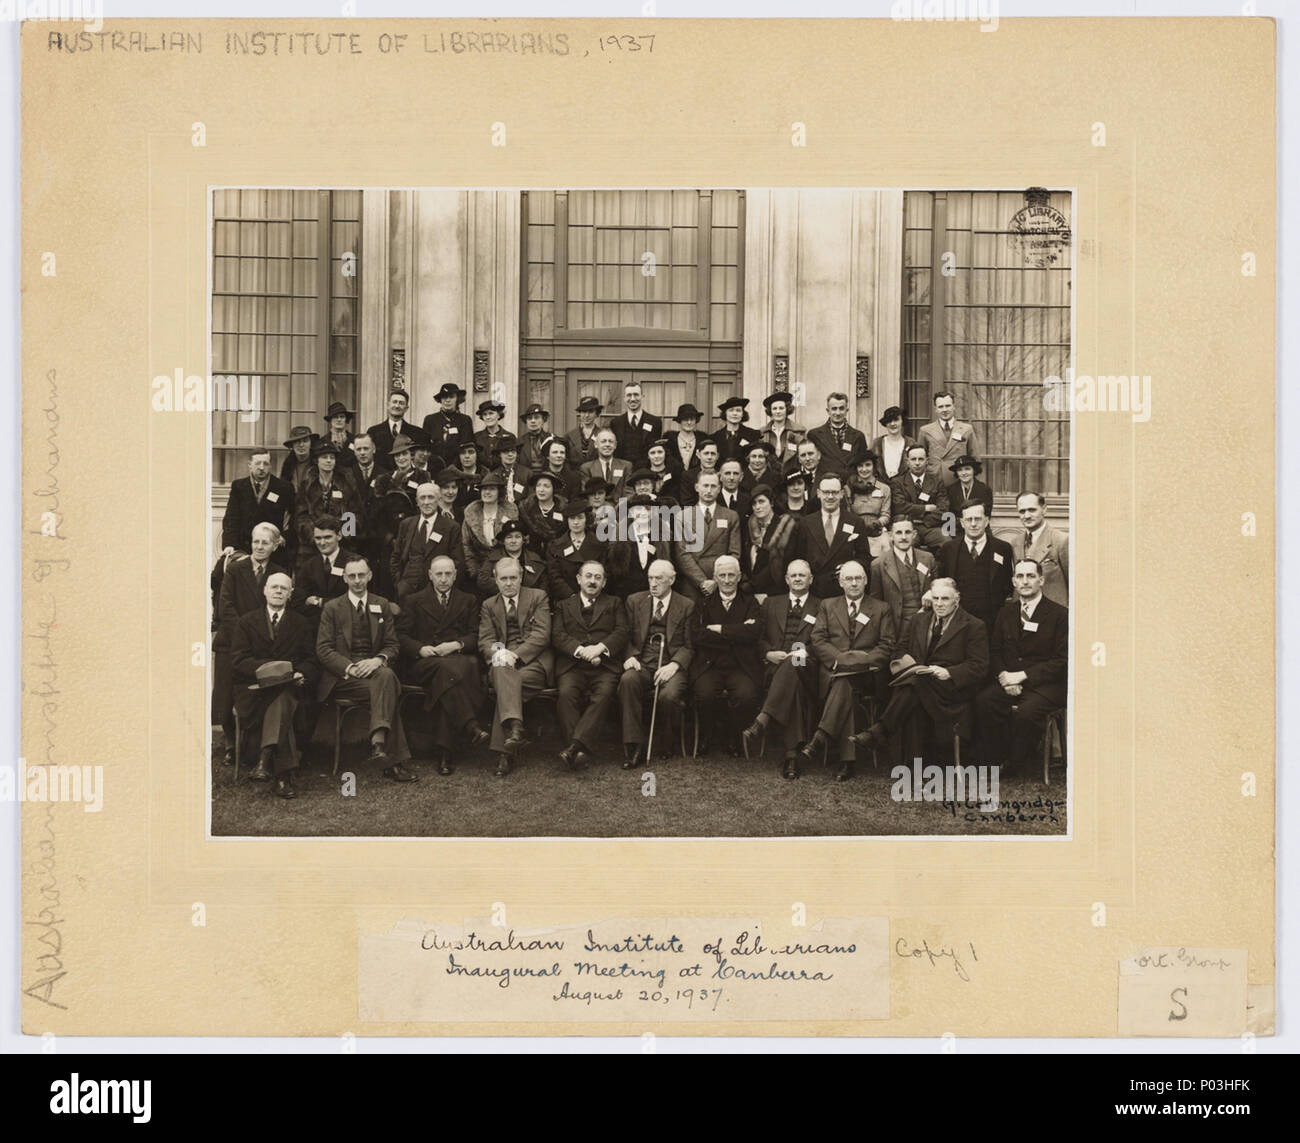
(427, 528)
(829, 522)
(726, 605)
(795, 604)
(1029, 541)
(917, 481)
(510, 608)
(259, 573)
(708, 518)
(659, 609)
(442, 600)
(971, 545)
(935, 632)
(607, 479)
(853, 610)
(361, 609)
(275, 623)
(1024, 613)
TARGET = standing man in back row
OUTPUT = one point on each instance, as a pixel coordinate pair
(946, 438)
(635, 429)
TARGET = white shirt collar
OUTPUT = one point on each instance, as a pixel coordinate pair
(1030, 605)
(270, 611)
(979, 544)
(352, 600)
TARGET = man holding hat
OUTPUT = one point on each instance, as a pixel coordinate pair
(892, 445)
(582, 440)
(734, 438)
(297, 469)
(386, 432)
(272, 657)
(490, 413)
(532, 446)
(684, 441)
(448, 426)
(781, 432)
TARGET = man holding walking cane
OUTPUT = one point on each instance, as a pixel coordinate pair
(659, 622)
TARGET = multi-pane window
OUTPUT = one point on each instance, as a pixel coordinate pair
(986, 316)
(285, 316)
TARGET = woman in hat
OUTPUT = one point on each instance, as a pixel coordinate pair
(872, 499)
(490, 413)
(448, 426)
(891, 446)
(760, 466)
(393, 497)
(734, 438)
(512, 542)
(468, 457)
(298, 466)
(514, 474)
(765, 545)
(534, 438)
(792, 496)
(582, 440)
(781, 432)
(541, 513)
(684, 441)
(567, 479)
(337, 418)
(566, 554)
(330, 492)
(968, 489)
(483, 521)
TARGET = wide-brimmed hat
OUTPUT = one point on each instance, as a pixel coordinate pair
(401, 443)
(338, 409)
(966, 462)
(509, 528)
(451, 389)
(578, 506)
(733, 403)
(493, 480)
(590, 405)
(779, 395)
(535, 410)
(273, 674)
(890, 414)
(488, 406)
(505, 442)
(301, 433)
(449, 474)
(687, 412)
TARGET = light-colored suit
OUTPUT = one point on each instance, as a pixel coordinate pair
(533, 672)
(886, 581)
(634, 687)
(941, 450)
(1051, 548)
(849, 652)
(697, 551)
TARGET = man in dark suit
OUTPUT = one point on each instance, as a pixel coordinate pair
(320, 578)
(920, 497)
(812, 462)
(258, 498)
(589, 634)
(838, 441)
(901, 574)
(946, 437)
(268, 698)
(1029, 656)
(634, 429)
(853, 638)
(727, 629)
(608, 467)
(387, 431)
(735, 438)
(514, 638)
(437, 633)
(733, 496)
(785, 642)
(950, 650)
(659, 628)
(356, 645)
(432, 532)
(828, 538)
(446, 428)
(980, 564)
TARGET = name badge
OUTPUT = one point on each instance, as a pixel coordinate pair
(452, 429)
(877, 492)
(924, 496)
(810, 619)
(997, 558)
(1029, 625)
(273, 497)
(557, 515)
(337, 493)
(528, 568)
(519, 487)
(376, 609)
(956, 436)
(569, 550)
(411, 484)
(847, 528)
(923, 569)
(863, 618)
(436, 536)
(645, 427)
(723, 523)
(846, 447)
(336, 570)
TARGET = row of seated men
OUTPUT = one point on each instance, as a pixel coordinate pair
(746, 662)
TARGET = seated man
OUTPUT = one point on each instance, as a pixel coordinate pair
(785, 641)
(514, 638)
(356, 643)
(437, 632)
(1029, 655)
(273, 656)
(659, 654)
(320, 578)
(920, 496)
(589, 633)
(726, 658)
(853, 638)
(949, 648)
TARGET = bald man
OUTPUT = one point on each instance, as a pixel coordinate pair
(727, 669)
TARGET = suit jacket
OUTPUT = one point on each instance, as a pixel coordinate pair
(632, 446)
(878, 447)
(696, 552)
(345, 498)
(924, 506)
(534, 642)
(239, 595)
(772, 630)
(887, 586)
(840, 456)
(532, 452)
(569, 631)
(980, 493)
(312, 579)
(679, 646)
(423, 622)
(741, 628)
(674, 450)
(941, 451)
(581, 449)
(409, 563)
(619, 468)
(252, 647)
(1051, 548)
(334, 637)
(825, 559)
(563, 562)
(1043, 654)
(998, 571)
(852, 648)
(963, 649)
(735, 446)
(243, 512)
(626, 574)
(742, 507)
(383, 438)
(882, 499)
(445, 431)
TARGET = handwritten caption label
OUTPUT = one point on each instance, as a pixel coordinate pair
(629, 971)
(1183, 991)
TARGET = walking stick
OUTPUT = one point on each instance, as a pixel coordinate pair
(654, 708)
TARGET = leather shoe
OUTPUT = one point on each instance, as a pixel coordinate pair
(284, 787)
(631, 757)
(259, 772)
(570, 755)
(400, 773)
(843, 771)
(477, 735)
(869, 739)
(444, 766)
(791, 767)
(228, 758)
(514, 740)
(808, 752)
(503, 765)
(377, 753)
(750, 737)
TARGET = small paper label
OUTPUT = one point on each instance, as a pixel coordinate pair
(273, 497)
(810, 619)
(374, 607)
(437, 537)
(997, 558)
(1030, 625)
(336, 570)
(925, 496)
(863, 618)
(337, 493)
(569, 550)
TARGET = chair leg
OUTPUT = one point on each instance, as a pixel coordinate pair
(956, 748)
(239, 742)
(695, 745)
(1047, 752)
(338, 736)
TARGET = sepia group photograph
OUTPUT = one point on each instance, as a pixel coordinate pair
(684, 512)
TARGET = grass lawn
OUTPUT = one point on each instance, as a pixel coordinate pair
(717, 796)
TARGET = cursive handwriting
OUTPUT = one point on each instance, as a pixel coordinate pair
(903, 949)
